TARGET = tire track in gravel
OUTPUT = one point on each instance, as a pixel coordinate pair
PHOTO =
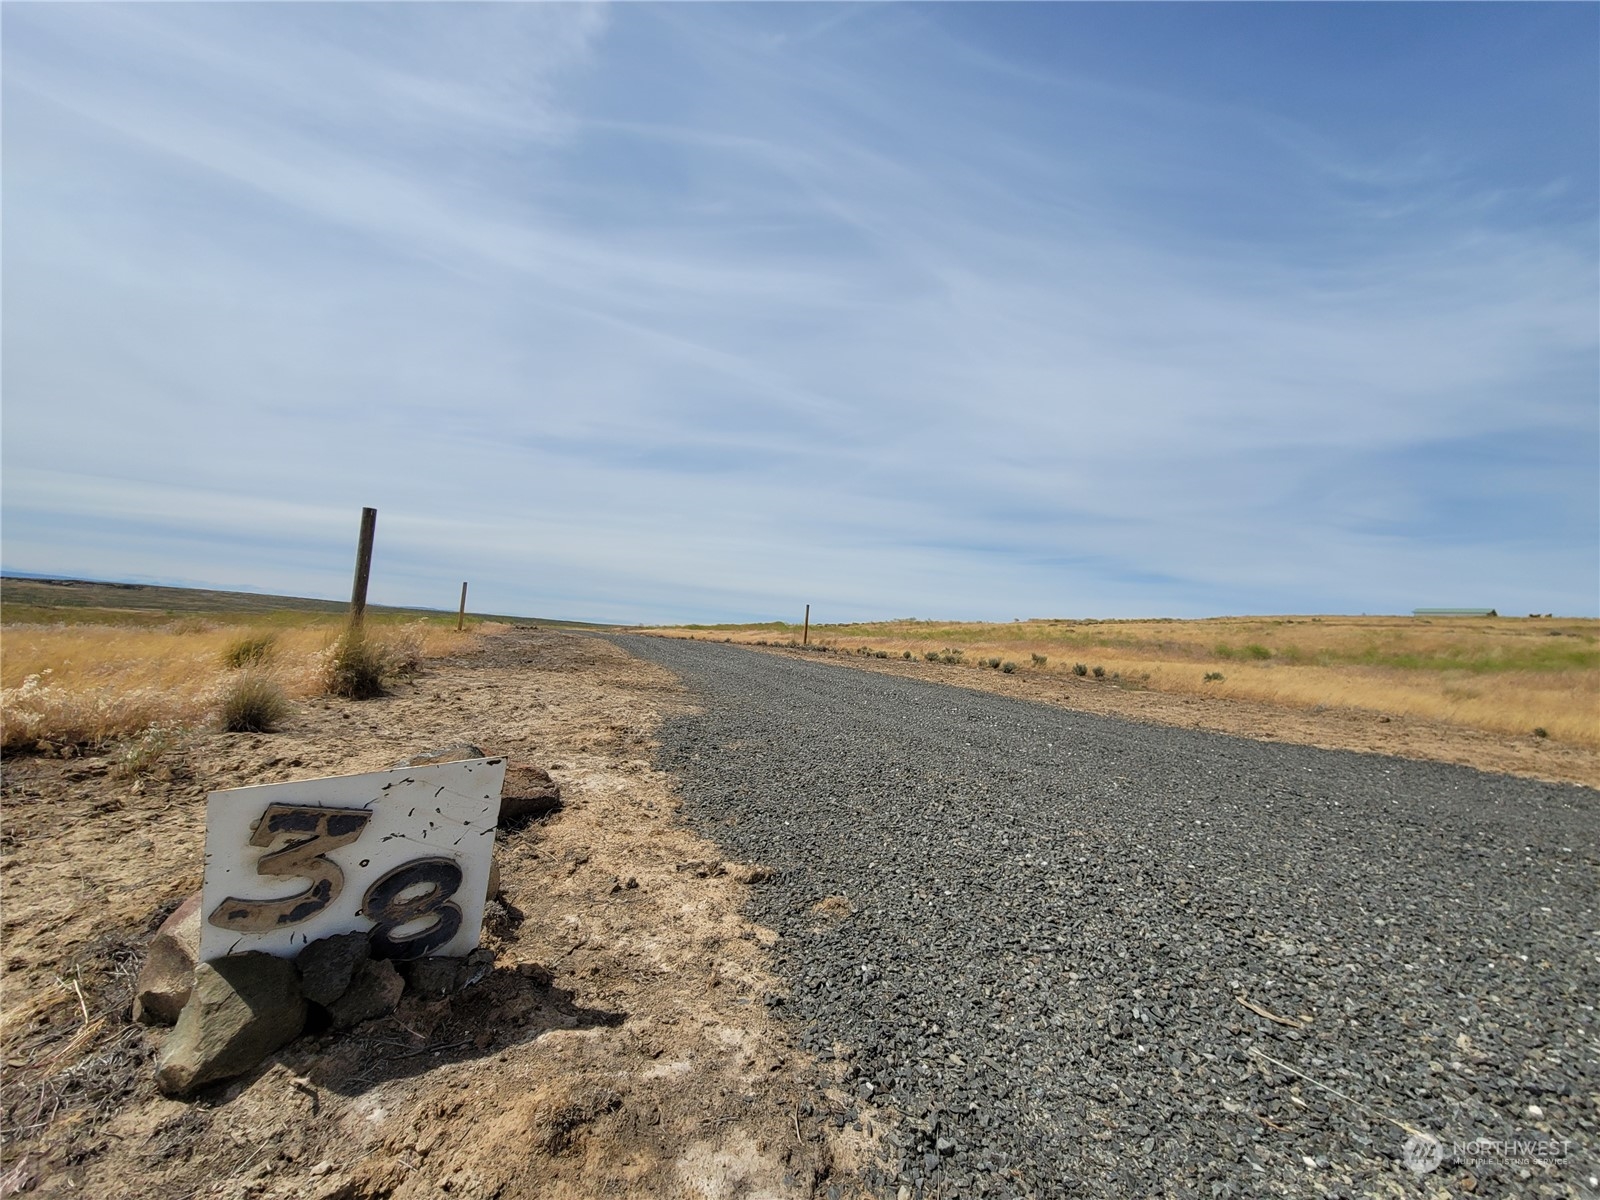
(1057, 925)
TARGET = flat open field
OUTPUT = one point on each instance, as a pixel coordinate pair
(74, 601)
(1517, 695)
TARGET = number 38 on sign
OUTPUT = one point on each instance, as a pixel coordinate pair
(403, 855)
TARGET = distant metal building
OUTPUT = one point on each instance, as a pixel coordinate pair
(1454, 612)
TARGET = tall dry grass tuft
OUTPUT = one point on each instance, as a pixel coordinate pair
(356, 666)
(252, 702)
(361, 662)
(250, 650)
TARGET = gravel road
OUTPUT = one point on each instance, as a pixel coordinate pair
(1061, 938)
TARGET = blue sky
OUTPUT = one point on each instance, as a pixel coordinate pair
(703, 312)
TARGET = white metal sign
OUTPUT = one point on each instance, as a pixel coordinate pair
(401, 854)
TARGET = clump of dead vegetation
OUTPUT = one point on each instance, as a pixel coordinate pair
(253, 702)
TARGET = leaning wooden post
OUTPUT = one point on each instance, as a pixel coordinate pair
(805, 633)
(358, 592)
(462, 615)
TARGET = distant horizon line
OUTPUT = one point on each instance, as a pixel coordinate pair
(251, 590)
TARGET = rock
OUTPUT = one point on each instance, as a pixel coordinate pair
(455, 752)
(373, 992)
(474, 968)
(241, 1008)
(164, 981)
(431, 978)
(328, 965)
(528, 792)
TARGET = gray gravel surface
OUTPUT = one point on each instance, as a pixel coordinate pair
(1052, 918)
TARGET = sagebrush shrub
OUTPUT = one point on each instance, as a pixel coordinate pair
(1079, 669)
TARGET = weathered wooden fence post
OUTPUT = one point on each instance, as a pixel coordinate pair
(805, 632)
(462, 615)
(358, 592)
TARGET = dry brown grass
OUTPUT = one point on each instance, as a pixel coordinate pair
(86, 684)
(1500, 675)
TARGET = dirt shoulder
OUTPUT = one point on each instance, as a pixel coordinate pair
(622, 1046)
(1331, 728)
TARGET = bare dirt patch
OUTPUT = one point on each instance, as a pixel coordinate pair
(622, 1045)
(1328, 728)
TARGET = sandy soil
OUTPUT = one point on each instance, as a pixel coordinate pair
(620, 1048)
(1330, 728)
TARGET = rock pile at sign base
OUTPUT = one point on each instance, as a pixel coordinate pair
(233, 1012)
(229, 1014)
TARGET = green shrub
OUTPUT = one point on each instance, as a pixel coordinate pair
(907, 654)
(1008, 667)
(1254, 650)
(1040, 660)
(931, 655)
(1539, 731)
(1099, 672)
(1213, 677)
(1079, 669)
(356, 667)
(252, 650)
(991, 662)
(252, 703)
(880, 654)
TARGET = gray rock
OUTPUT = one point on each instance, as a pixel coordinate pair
(327, 966)
(240, 1010)
(455, 752)
(474, 968)
(162, 988)
(431, 978)
(374, 992)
